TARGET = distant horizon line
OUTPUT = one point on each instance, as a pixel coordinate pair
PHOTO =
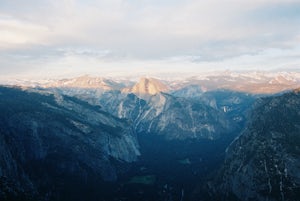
(137, 75)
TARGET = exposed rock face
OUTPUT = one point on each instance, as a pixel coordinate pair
(147, 86)
(48, 136)
(264, 163)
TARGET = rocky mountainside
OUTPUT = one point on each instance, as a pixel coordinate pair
(263, 163)
(208, 116)
(49, 141)
(187, 113)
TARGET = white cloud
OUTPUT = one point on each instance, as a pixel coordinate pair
(17, 32)
(147, 33)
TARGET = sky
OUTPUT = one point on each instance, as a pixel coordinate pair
(57, 38)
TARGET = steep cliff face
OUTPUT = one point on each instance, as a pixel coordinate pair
(264, 163)
(46, 137)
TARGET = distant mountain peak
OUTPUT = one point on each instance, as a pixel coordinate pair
(148, 86)
(86, 81)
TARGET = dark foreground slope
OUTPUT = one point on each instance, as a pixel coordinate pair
(264, 162)
(56, 147)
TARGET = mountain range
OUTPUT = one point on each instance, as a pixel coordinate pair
(254, 82)
(231, 136)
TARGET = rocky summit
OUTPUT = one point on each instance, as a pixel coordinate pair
(147, 86)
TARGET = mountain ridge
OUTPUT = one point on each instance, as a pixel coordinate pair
(263, 162)
(254, 82)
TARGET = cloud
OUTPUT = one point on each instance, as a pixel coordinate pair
(140, 32)
(16, 32)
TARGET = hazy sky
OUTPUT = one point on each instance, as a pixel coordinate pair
(106, 37)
